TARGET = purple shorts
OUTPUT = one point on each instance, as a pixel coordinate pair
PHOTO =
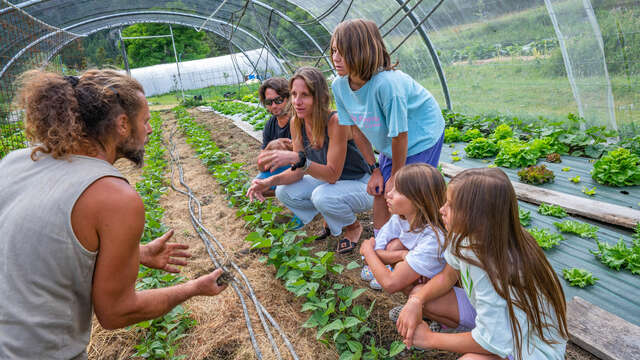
(466, 312)
(430, 156)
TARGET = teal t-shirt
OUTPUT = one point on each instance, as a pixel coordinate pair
(387, 105)
(493, 324)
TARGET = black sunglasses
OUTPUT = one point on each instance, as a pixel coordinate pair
(279, 100)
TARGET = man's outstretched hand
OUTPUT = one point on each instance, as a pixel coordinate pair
(159, 254)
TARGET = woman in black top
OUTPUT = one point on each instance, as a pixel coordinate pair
(328, 174)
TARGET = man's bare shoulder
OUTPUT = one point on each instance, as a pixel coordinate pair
(112, 194)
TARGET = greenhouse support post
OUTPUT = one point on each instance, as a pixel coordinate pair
(175, 54)
(125, 58)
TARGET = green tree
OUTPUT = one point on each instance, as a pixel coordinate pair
(190, 44)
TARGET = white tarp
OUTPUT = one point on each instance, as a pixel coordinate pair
(197, 74)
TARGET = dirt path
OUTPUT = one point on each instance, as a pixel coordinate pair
(221, 332)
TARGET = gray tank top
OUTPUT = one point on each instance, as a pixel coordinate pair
(355, 167)
(45, 273)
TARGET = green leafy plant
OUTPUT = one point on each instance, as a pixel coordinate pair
(455, 158)
(536, 175)
(619, 167)
(581, 229)
(565, 169)
(575, 179)
(552, 210)
(525, 217)
(502, 131)
(452, 134)
(587, 191)
(545, 238)
(515, 154)
(619, 255)
(480, 148)
(579, 277)
(471, 134)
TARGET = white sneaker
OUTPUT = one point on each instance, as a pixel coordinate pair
(366, 273)
(375, 285)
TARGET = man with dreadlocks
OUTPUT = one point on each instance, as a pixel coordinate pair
(71, 224)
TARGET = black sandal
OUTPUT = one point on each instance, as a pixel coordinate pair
(324, 234)
(346, 246)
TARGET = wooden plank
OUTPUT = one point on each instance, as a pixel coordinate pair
(601, 333)
(592, 209)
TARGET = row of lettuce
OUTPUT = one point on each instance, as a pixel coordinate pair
(518, 144)
(338, 318)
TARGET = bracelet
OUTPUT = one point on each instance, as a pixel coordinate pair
(303, 160)
(373, 166)
(307, 163)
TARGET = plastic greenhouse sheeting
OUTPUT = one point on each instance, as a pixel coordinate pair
(623, 196)
(196, 74)
(515, 57)
(617, 292)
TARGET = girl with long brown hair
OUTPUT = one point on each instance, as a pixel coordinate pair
(517, 306)
(328, 174)
(413, 238)
(386, 108)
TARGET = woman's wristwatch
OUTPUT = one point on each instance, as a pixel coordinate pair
(303, 162)
(373, 166)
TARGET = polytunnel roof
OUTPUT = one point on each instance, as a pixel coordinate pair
(431, 39)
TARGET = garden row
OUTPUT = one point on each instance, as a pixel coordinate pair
(516, 144)
(254, 115)
(617, 257)
(11, 137)
(337, 318)
(160, 335)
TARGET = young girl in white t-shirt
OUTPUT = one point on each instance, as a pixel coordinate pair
(412, 239)
(516, 306)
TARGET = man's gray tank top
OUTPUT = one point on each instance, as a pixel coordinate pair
(45, 273)
(355, 167)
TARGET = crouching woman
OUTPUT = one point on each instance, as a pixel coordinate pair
(328, 174)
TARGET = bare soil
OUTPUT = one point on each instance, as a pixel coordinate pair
(221, 332)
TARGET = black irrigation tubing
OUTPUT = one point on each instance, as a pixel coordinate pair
(202, 230)
(417, 25)
(346, 12)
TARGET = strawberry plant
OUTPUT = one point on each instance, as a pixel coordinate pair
(575, 179)
(545, 238)
(552, 210)
(619, 167)
(579, 277)
(480, 148)
(452, 134)
(581, 229)
(536, 175)
(566, 169)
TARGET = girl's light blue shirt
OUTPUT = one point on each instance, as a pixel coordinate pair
(390, 103)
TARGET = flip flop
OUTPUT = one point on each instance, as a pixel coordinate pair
(324, 234)
(346, 246)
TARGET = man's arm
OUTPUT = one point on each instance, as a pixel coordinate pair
(117, 213)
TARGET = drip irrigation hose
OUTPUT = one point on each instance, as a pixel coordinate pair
(202, 230)
(200, 226)
(252, 336)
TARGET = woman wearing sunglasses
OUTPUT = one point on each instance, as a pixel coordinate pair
(328, 174)
(274, 96)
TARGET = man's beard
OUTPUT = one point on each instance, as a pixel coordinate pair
(129, 150)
